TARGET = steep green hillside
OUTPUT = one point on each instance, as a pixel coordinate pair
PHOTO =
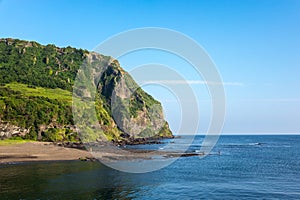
(36, 95)
(37, 65)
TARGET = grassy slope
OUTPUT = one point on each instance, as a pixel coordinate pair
(32, 108)
(57, 93)
(66, 97)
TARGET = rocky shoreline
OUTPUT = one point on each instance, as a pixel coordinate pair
(129, 141)
(48, 151)
(141, 141)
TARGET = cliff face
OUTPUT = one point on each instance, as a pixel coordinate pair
(36, 94)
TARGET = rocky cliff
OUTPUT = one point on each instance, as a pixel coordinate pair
(37, 83)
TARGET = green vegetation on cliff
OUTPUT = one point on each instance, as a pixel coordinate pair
(36, 85)
(34, 108)
(37, 65)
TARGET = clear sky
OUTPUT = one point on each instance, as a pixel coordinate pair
(254, 43)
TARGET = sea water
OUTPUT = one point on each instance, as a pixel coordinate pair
(240, 167)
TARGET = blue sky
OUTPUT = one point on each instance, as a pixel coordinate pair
(255, 43)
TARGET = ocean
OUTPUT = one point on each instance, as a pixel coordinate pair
(240, 167)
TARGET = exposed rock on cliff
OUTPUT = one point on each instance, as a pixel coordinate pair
(37, 84)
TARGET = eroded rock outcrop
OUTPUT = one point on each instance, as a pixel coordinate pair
(8, 130)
